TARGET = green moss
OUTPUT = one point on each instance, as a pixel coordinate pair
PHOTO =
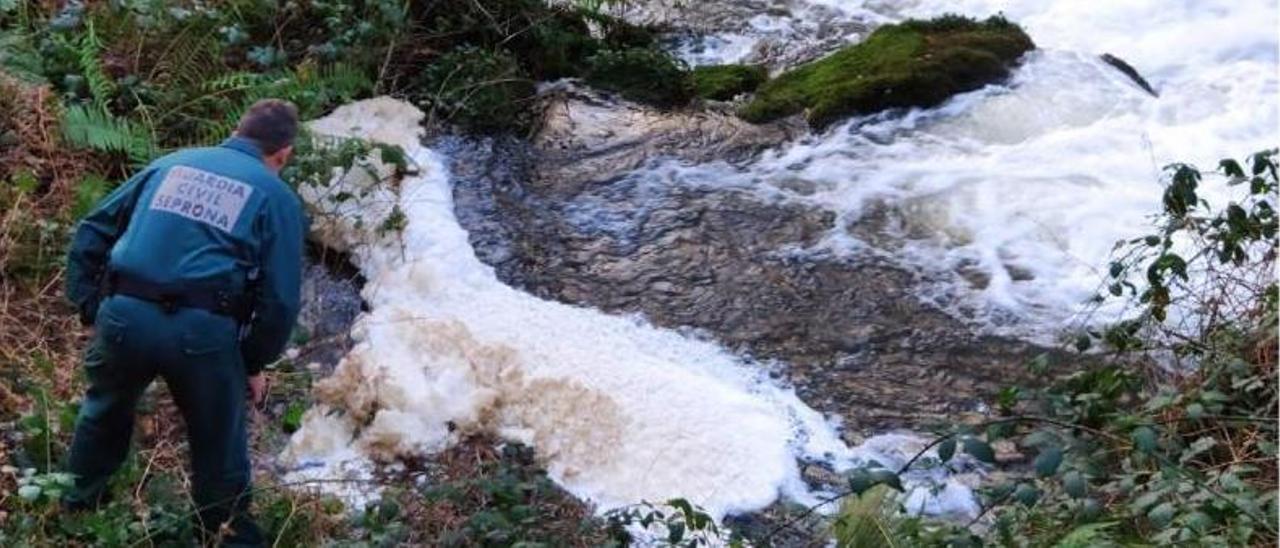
(724, 82)
(643, 75)
(912, 64)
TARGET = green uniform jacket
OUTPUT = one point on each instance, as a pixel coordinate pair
(205, 216)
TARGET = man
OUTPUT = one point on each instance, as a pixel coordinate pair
(190, 271)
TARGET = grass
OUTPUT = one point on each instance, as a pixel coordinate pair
(912, 64)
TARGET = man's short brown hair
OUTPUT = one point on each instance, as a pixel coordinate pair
(271, 123)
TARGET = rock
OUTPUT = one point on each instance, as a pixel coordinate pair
(1018, 273)
(1129, 71)
(911, 64)
(587, 136)
(972, 273)
(819, 476)
(782, 525)
(330, 303)
(1007, 451)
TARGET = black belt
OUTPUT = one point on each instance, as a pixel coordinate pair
(172, 297)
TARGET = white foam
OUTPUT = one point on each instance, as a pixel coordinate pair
(620, 411)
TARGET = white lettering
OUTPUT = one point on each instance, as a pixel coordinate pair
(202, 196)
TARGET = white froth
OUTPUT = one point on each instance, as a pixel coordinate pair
(620, 411)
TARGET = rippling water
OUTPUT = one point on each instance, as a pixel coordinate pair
(1030, 183)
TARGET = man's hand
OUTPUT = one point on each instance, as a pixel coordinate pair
(257, 389)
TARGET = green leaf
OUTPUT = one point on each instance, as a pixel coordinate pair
(1204, 443)
(1074, 484)
(886, 477)
(25, 181)
(1231, 168)
(29, 492)
(947, 449)
(292, 419)
(979, 449)
(1195, 411)
(1090, 509)
(1026, 494)
(1087, 536)
(1260, 163)
(1162, 514)
(1144, 439)
(860, 481)
(1083, 342)
(1199, 521)
(1214, 396)
(1047, 461)
(1146, 499)
(999, 431)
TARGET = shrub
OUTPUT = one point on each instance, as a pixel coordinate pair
(555, 46)
(913, 64)
(479, 89)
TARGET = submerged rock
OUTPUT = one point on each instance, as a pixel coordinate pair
(911, 64)
(1128, 70)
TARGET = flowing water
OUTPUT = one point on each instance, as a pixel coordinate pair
(1029, 184)
(642, 328)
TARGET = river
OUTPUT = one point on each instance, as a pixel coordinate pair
(706, 327)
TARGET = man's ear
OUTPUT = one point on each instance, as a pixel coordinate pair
(279, 158)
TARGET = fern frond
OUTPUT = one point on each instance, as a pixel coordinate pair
(93, 128)
(316, 89)
(865, 521)
(345, 80)
(19, 57)
(188, 59)
(101, 86)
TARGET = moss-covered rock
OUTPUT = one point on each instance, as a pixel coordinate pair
(724, 82)
(912, 64)
(644, 75)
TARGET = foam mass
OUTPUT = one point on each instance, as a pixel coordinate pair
(620, 411)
